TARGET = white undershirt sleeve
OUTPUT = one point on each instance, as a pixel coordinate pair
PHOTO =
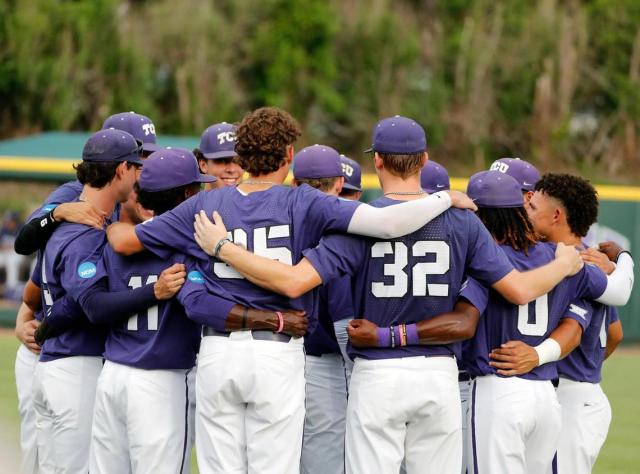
(394, 221)
(620, 283)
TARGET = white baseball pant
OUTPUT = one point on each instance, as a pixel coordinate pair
(404, 408)
(64, 391)
(340, 328)
(25, 366)
(586, 416)
(325, 417)
(465, 395)
(249, 405)
(514, 425)
(142, 421)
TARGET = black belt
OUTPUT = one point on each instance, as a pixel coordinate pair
(260, 335)
(555, 382)
(464, 377)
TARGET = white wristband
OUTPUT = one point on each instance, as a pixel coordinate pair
(548, 351)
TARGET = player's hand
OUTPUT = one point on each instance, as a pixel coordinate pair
(80, 213)
(599, 259)
(362, 333)
(514, 358)
(208, 233)
(170, 281)
(461, 201)
(571, 258)
(25, 333)
(295, 322)
(611, 250)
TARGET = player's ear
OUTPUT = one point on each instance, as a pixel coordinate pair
(339, 184)
(425, 158)
(290, 154)
(377, 161)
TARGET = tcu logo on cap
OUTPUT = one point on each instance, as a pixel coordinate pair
(149, 129)
(347, 169)
(226, 137)
(499, 166)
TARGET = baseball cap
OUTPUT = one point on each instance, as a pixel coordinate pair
(140, 126)
(316, 161)
(218, 141)
(352, 174)
(112, 145)
(494, 189)
(434, 177)
(398, 135)
(522, 171)
(170, 168)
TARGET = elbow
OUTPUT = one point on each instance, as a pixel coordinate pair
(21, 248)
(519, 296)
(294, 289)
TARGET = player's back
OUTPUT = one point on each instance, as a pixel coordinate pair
(503, 321)
(69, 265)
(161, 337)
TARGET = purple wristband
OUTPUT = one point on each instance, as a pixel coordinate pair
(384, 338)
(412, 335)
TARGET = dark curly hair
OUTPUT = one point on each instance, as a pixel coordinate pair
(578, 197)
(162, 201)
(262, 138)
(509, 226)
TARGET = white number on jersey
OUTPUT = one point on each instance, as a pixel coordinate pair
(541, 315)
(152, 313)
(603, 329)
(48, 300)
(419, 272)
(261, 237)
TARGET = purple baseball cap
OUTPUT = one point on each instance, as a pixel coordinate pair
(316, 161)
(434, 177)
(522, 171)
(398, 135)
(112, 145)
(352, 174)
(218, 141)
(494, 189)
(140, 126)
(170, 168)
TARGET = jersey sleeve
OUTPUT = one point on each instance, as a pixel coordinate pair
(581, 311)
(590, 282)
(337, 255)
(475, 293)
(172, 231)
(331, 213)
(486, 262)
(67, 192)
(81, 265)
(612, 315)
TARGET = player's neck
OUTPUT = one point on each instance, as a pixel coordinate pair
(261, 182)
(103, 199)
(400, 189)
(566, 237)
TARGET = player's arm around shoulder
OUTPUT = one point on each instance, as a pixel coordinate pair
(123, 239)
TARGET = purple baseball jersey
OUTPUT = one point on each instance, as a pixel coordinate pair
(532, 323)
(159, 338)
(336, 303)
(414, 277)
(278, 223)
(70, 266)
(584, 363)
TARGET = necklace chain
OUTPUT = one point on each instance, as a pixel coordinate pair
(257, 181)
(406, 193)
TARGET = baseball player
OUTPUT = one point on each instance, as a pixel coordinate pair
(515, 421)
(65, 378)
(352, 187)
(250, 384)
(320, 167)
(401, 404)
(522, 171)
(434, 177)
(562, 209)
(216, 155)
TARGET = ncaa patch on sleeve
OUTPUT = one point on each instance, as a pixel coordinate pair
(86, 270)
(195, 277)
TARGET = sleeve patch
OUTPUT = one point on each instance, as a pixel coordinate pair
(87, 270)
(195, 276)
(578, 311)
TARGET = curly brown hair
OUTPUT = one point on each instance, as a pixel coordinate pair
(578, 197)
(262, 138)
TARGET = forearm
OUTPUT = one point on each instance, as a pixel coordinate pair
(35, 234)
(24, 315)
(394, 221)
(450, 327)
(567, 335)
(619, 283)
(123, 239)
(524, 287)
(105, 307)
(31, 296)
(241, 318)
(614, 337)
(63, 315)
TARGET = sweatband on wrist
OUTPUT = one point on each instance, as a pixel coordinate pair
(548, 351)
(384, 338)
(412, 335)
(280, 321)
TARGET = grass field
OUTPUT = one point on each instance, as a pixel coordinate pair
(620, 455)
